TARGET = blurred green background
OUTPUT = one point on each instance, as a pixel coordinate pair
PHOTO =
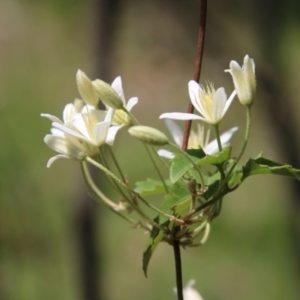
(252, 250)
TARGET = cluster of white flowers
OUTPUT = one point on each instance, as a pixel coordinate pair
(85, 128)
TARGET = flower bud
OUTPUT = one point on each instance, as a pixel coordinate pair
(244, 80)
(86, 89)
(149, 135)
(107, 94)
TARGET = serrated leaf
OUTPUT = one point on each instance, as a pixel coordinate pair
(149, 187)
(155, 238)
(262, 165)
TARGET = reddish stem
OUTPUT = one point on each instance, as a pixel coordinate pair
(198, 63)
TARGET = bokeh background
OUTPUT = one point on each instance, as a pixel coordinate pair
(54, 242)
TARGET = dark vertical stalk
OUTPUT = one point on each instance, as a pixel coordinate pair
(186, 133)
(104, 23)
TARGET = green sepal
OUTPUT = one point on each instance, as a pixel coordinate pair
(155, 238)
(262, 165)
(150, 187)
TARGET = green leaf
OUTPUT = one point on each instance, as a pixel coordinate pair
(215, 159)
(149, 187)
(178, 194)
(155, 238)
(262, 165)
(180, 165)
(199, 153)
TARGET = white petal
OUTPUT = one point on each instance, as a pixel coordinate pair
(70, 131)
(227, 135)
(109, 115)
(131, 103)
(165, 153)
(63, 146)
(212, 147)
(54, 158)
(68, 112)
(181, 116)
(194, 90)
(117, 86)
(219, 104)
(229, 101)
(100, 132)
(111, 135)
(52, 118)
(176, 132)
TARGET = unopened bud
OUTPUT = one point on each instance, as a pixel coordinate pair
(244, 80)
(149, 135)
(107, 94)
(86, 89)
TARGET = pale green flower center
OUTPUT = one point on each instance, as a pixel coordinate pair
(207, 99)
(198, 138)
(120, 117)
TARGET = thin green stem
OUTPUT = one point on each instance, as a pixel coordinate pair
(99, 197)
(247, 134)
(156, 168)
(112, 181)
(216, 127)
(114, 177)
(116, 164)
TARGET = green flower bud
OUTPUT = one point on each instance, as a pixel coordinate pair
(149, 135)
(86, 89)
(107, 94)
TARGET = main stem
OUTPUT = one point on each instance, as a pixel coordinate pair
(186, 134)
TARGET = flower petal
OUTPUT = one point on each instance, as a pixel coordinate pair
(52, 118)
(111, 134)
(100, 132)
(229, 101)
(181, 116)
(131, 103)
(165, 153)
(117, 86)
(219, 102)
(176, 132)
(194, 91)
(54, 158)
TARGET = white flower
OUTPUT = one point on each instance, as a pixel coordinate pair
(190, 293)
(91, 126)
(121, 118)
(244, 80)
(196, 139)
(68, 146)
(211, 104)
